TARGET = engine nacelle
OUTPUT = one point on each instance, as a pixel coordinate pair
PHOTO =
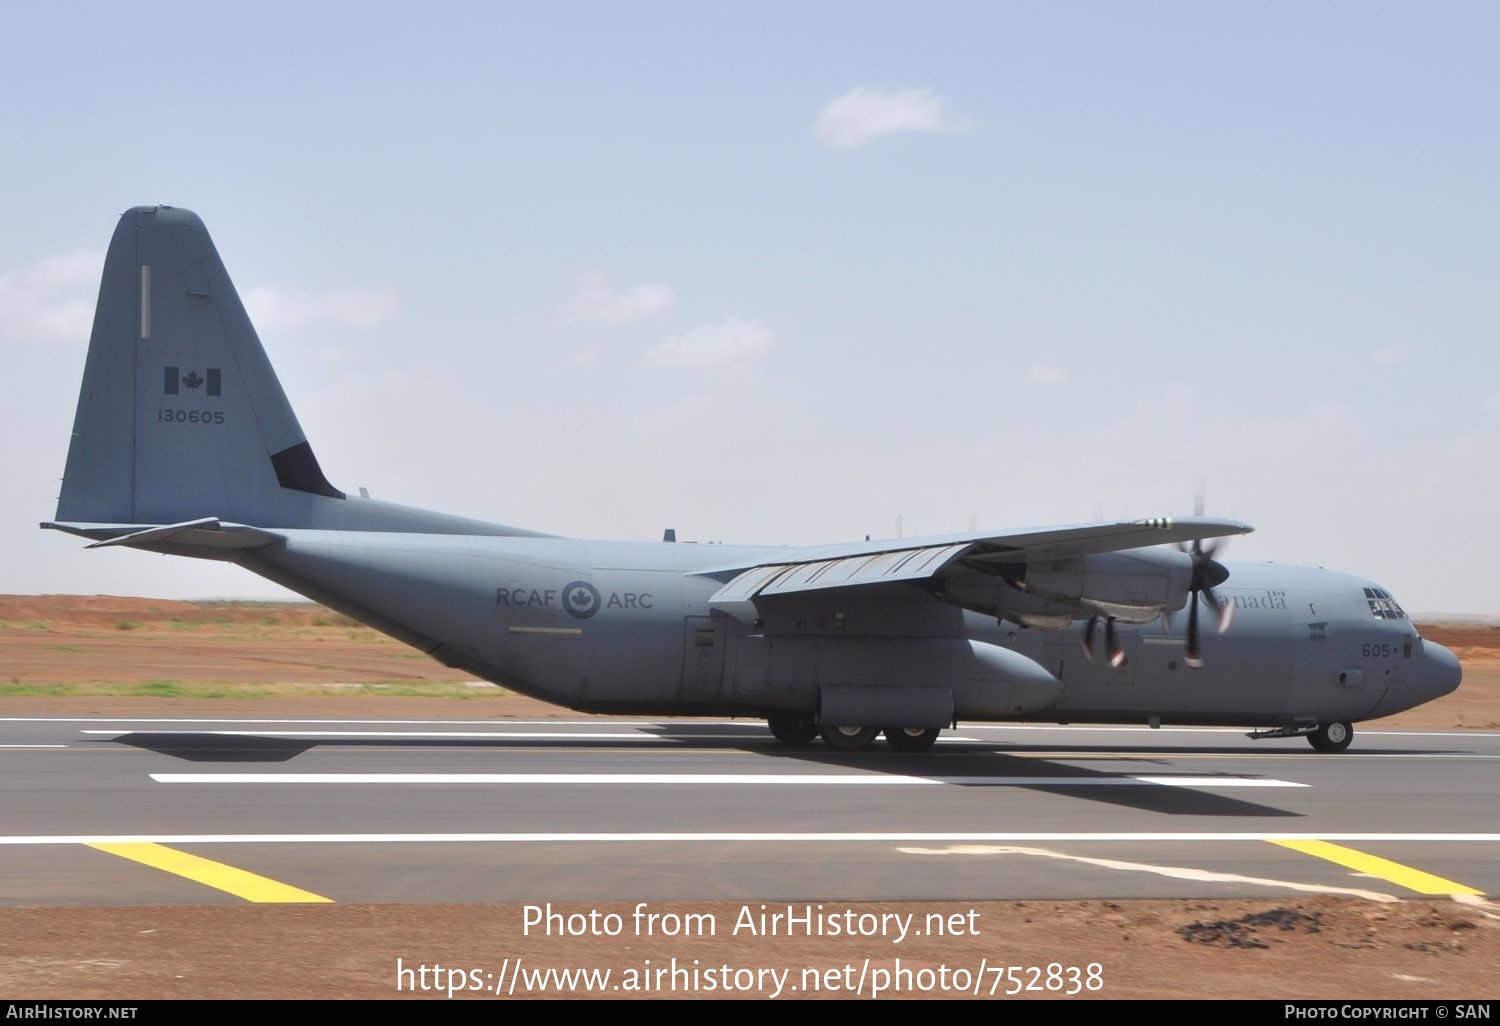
(1146, 579)
(1135, 587)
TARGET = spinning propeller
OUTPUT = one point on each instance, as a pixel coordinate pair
(1116, 653)
(1207, 572)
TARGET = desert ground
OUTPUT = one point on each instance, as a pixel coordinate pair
(76, 655)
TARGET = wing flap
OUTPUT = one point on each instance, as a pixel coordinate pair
(852, 572)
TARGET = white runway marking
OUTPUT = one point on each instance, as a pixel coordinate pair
(935, 837)
(1106, 728)
(1153, 754)
(33, 746)
(678, 737)
(471, 735)
(464, 734)
(715, 779)
(1172, 872)
(750, 725)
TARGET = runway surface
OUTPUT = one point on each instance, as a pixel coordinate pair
(101, 811)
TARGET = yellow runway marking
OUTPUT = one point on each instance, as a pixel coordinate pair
(1374, 865)
(239, 882)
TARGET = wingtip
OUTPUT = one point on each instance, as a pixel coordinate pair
(1220, 524)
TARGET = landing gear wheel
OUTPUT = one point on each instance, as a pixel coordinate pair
(849, 739)
(792, 730)
(1331, 737)
(912, 739)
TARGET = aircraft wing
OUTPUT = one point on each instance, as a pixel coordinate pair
(869, 564)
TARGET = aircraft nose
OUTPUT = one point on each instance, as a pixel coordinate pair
(1441, 670)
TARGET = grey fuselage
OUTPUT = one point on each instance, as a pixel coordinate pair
(627, 627)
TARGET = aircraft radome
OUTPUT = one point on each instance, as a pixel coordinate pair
(185, 443)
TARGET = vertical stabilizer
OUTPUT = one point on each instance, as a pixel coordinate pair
(180, 415)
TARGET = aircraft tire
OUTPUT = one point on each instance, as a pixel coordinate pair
(912, 739)
(848, 739)
(792, 730)
(1331, 737)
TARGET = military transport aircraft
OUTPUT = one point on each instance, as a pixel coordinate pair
(185, 443)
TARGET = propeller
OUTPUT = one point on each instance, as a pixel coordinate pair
(1207, 572)
(1116, 653)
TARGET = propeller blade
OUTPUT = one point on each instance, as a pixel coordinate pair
(1193, 656)
(1224, 609)
(1116, 653)
(1087, 640)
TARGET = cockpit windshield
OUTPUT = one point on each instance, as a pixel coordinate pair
(1382, 606)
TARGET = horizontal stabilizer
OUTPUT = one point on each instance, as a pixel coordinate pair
(205, 533)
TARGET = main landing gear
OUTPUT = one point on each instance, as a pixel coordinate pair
(797, 731)
(848, 739)
(792, 730)
(912, 739)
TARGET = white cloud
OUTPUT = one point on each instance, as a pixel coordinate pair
(1390, 354)
(863, 115)
(52, 300)
(1046, 374)
(730, 341)
(595, 303)
(272, 307)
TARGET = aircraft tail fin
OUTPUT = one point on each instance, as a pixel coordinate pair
(180, 415)
(181, 418)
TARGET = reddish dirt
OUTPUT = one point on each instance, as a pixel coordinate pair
(1323, 948)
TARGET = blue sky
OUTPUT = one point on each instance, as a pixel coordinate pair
(788, 272)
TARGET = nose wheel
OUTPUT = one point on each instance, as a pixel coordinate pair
(1331, 737)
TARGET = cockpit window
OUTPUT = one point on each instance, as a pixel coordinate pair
(1382, 606)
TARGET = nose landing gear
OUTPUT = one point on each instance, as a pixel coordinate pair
(1331, 737)
(1325, 737)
